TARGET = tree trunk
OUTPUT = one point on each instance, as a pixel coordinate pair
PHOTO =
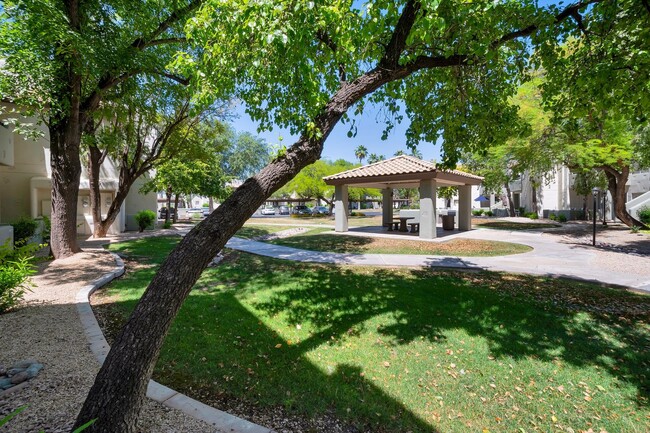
(511, 203)
(169, 205)
(535, 199)
(65, 142)
(94, 168)
(66, 170)
(210, 204)
(616, 181)
(176, 198)
(116, 396)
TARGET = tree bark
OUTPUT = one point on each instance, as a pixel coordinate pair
(176, 199)
(511, 203)
(616, 181)
(66, 170)
(168, 193)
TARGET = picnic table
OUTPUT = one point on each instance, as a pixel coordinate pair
(402, 222)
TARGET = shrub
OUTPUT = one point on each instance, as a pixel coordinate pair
(24, 229)
(522, 211)
(552, 217)
(562, 218)
(145, 218)
(357, 214)
(644, 215)
(167, 224)
(635, 229)
(478, 212)
(488, 213)
(532, 215)
(15, 269)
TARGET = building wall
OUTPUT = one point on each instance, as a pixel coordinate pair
(25, 186)
(28, 161)
(135, 202)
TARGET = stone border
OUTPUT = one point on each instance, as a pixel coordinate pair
(222, 421)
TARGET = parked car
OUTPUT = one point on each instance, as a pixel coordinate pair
(301, 209)
(269, 210)
(284, 210)
(320, 210)
(162, 213)
(206, 211)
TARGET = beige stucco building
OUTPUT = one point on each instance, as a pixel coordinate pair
(25, 182)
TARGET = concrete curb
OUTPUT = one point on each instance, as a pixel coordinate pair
(222, 421)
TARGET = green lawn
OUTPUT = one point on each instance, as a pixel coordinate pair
(397, 350)
(322, 240)
(511, 225)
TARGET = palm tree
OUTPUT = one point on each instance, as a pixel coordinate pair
(373, 157)
(361, 152)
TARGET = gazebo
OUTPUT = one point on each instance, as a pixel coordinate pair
(405, 172)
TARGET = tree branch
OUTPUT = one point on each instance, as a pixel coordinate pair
(181, 80)
(400, 34)
(325, 38)
(146, 41)
(527, 31)
(166, 41)
(109, 80)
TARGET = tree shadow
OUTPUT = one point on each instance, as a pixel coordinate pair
(432, 304)
(237, 364)
(244, 357)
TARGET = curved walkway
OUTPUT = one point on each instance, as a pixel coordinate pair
(548, 257)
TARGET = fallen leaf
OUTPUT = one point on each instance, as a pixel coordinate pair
(277, 346)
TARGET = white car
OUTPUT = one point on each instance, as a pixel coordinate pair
(269, 210)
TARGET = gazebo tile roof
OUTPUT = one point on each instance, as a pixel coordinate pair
(398, 165)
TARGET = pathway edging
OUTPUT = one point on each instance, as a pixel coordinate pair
(222, 421)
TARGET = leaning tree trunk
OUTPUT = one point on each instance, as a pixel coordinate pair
(116, 397)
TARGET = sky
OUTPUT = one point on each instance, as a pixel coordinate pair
(369, 125)
(338, 144)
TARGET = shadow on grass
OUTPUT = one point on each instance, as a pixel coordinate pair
(237, 356)
(337, 300)
(222, 346)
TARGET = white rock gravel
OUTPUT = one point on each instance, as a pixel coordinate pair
(48, 329)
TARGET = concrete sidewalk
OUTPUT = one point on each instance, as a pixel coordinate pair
(549, 257)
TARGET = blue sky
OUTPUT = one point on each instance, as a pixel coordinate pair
(338, 144)
(369, 125)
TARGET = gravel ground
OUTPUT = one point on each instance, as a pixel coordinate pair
(47, 328)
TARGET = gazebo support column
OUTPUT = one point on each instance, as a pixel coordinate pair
(341, 205)
(387, 206)
(428, 209)
(464, 207)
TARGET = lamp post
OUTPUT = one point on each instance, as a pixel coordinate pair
(594, 193)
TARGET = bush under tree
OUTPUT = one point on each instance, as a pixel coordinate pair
(145, 218)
